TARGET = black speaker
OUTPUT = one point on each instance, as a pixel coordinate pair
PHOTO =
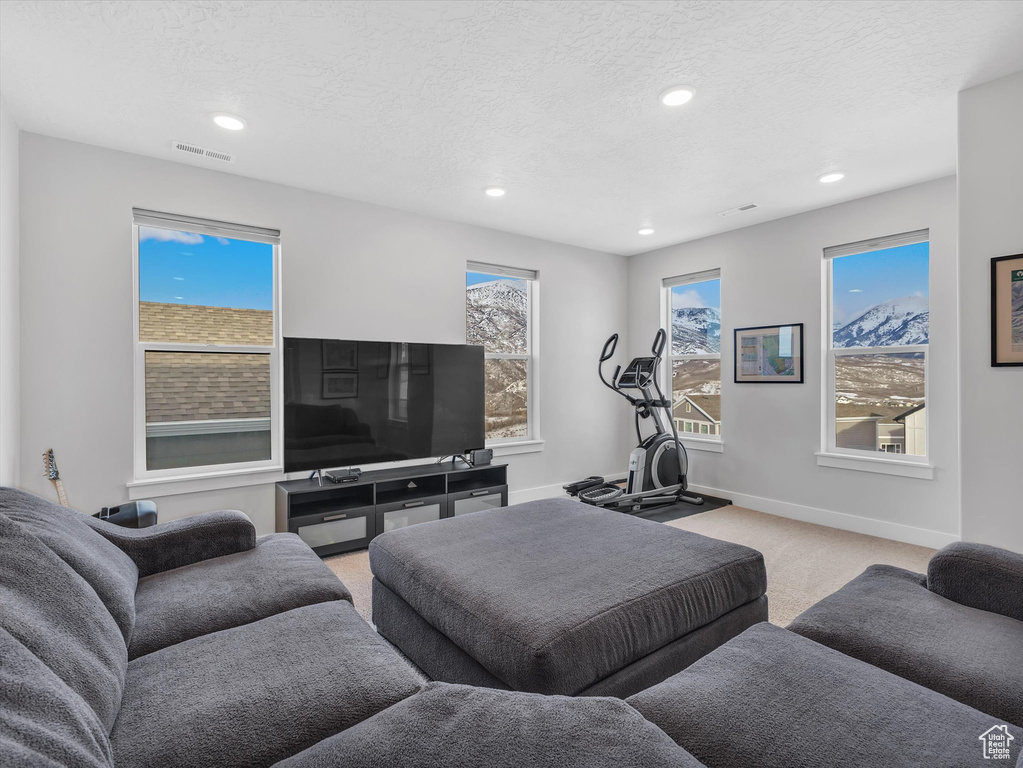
(481, 458)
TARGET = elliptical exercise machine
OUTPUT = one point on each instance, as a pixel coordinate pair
(659, 464)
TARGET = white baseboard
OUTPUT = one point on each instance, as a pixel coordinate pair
(869, 526)
(550, 491)
(882, 528)
(534, 494)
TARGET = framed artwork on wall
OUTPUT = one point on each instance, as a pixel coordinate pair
(769, 354)
(340, 355)
(1007, 310)
(340, 385)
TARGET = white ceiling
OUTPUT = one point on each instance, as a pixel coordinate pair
(419, 105)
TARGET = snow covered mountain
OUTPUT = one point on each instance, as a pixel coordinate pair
(891, 323)
(695, 330)
(495, 314)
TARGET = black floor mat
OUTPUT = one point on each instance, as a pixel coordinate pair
(682, 509)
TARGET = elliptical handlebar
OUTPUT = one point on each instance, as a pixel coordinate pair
(607, 354)
(659, 341)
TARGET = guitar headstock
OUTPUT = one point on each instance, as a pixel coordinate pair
(50, 465)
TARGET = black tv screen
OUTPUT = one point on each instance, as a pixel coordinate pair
(348, 403)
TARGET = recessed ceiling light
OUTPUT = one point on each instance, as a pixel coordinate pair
(645, 231)
(494, 191)
(831, 178)
(230, 122)
(677, 95)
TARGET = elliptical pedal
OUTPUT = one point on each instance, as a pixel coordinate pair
(601, 494)
(574, 489)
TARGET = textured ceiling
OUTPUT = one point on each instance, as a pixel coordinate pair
(419, 105)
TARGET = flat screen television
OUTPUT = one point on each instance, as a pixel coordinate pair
(348, 403)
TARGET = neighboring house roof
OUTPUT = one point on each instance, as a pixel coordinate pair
(190, 324)
(708, 405)
(198, 386)
(910, 412)
(884, 413)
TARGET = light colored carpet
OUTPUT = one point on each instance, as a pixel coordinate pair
(805, 562)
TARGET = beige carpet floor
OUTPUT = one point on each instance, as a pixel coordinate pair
(805, 562)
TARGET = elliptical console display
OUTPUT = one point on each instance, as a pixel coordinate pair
(659, 464)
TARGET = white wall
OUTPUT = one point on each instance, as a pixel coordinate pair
(9, 300)
(772, 273)
(990, 224)
(350, 270)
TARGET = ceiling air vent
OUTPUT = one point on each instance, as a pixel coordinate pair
(197, 151)
(740, 209)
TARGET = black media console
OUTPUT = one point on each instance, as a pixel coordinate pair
(341, 518)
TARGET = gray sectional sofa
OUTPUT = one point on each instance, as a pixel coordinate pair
(190, 643)
(193, 643)
(958, 629)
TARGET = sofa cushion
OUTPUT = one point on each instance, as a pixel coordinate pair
(774, 699)
(255, 694)
(887, 617)
(979, 576)
(51, 610)
(453, 726)
(552, 596)
(107, 569)
(42, 721)
(280, 573)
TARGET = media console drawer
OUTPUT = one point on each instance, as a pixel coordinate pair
(338, 531)
(466, 502)
(401, 514)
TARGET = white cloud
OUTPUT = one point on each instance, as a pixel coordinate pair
(855, 290)
(169, 236)
(223, 241)
(688, 298)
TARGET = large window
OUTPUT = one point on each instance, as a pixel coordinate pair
(206, 362)
(877, 339)
(499, 315)
(693, 325)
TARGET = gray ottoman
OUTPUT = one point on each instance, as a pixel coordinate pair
(560, 597)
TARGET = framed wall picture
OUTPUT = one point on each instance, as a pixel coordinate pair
(340, 385)
(769, 354)
(340, 355)
(1007, 310)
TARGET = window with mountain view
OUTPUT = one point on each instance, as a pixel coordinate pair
(694, 331)
(877, 346)
(498, 316)
(206, 347)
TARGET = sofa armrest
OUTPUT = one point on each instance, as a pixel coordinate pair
(181, 542)
(979, 576)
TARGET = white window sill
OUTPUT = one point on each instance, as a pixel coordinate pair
(517, 446)
(901, 468)
(699, 444)
(210, 481)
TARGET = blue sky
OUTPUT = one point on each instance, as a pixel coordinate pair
(472, 278)
(705, 294)
(864, 280)
(187, 268)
